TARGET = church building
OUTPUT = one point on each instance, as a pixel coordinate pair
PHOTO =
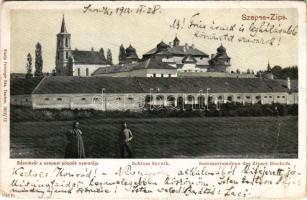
(76, 62)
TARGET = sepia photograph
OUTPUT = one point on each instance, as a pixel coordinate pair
(153, 100)
(153, 82)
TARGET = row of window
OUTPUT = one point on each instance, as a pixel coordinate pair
(84, 99)
(190, 98)
(162, 75)
(87, 73)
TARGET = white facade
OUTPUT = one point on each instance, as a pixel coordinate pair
(85, 69)
(137, 101)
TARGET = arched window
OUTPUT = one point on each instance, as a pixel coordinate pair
(78, 71)
(66, 42)
(66, 55)
(87, 73)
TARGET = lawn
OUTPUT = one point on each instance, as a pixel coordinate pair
(221, 137)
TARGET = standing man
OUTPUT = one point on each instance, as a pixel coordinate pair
(125, 145)
(75, 146)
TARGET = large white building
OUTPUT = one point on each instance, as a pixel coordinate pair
(75, 62)
(127, 93)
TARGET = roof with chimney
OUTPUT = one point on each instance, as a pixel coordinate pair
(89, 57)
(175, 50)
(88, 85)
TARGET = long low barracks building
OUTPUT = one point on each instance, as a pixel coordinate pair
(136, 93)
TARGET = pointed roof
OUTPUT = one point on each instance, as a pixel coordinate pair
(221, 49)
(63, 27)
(176, 39)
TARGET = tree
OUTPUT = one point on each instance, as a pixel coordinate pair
(53, 72)
(29, 66)
(38, 61)
(109, 57)
(269, 68)
(101, 51)
(122, 53)
(69, 67)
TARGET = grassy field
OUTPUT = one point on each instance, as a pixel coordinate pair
(222, 137)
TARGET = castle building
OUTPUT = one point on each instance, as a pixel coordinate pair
(185, 58)
(219, 61)
(129, 56)
(75, 62)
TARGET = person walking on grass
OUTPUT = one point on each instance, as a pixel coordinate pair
(125, 142)
(75, 146)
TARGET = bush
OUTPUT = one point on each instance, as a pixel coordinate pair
(19, 113)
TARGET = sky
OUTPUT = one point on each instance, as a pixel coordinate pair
(144, 32)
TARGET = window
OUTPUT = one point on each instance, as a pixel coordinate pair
(87, 73)
(154, 75)
(130, 98)
(26, 100)
(66, 55)
(59, 99)
(248, 97)
(118, 98)
(66, 42)
(78, 71)
(238, 97)
(265, 97)
(278, 97)
(162, 75)
(283, 97)
(46, 99)
(220, 97)
(270, 96)
(83, 99)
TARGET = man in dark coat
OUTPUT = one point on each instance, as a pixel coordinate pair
(75, 146)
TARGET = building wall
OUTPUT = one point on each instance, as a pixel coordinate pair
(160, 72)
(21, 100)
(134, 73)
(137, 101)
(143, 73)
(214, 74)
(83, 67)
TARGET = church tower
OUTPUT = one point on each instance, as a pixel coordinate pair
(63, 50)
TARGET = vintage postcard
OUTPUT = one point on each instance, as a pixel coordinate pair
(153, 100)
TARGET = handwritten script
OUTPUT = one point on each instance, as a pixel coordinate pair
(263, 32)
(207, 179)
(122, 10)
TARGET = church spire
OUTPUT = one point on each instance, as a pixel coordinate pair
(63, 27)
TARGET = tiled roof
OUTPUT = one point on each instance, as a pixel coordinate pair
(23, 86)
(68, 85)
(88, 57)
(147, 64)
(178, 50)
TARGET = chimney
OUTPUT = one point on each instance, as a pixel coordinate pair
(289, 83)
